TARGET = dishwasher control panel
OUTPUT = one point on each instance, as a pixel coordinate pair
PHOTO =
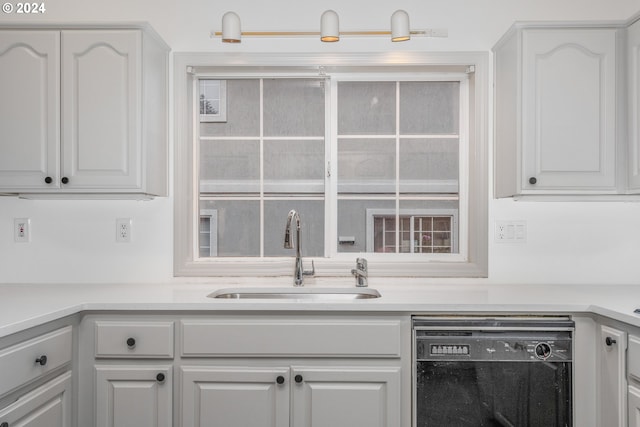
(502, 342)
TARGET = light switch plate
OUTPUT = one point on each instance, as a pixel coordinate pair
(511, 231)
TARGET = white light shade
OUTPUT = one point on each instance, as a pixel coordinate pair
(329, 27)
(231, 28)
(400, 26)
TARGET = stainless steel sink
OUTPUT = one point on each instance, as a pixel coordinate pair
(313, 294)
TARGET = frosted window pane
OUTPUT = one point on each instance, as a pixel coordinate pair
(429, 165)
(294, 166)
(229, 166)
(293, 107)
(366, 165)
(352, 216)
(243, 111)
(312, 231)
(429, 108)
(238, 226)
(366, 108)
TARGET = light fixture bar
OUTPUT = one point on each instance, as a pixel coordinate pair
(417, 33)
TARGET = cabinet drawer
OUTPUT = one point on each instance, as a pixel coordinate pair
(134, 339)
(634, 357)
(48, 405)
(288, 338)
(18, 362)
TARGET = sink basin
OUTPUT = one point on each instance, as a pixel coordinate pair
(312, 294)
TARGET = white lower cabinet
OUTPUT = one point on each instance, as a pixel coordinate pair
(612, 384)
(235, 396)
(35, 381)
(345, 397)
(133, 396)
(47, 406)
(244, 371)
(319, 396)
(634, 406)
(633, 394)
(127, 368)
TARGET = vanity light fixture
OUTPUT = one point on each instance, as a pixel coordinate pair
(400, 26)
(231, 28)
(329, 26)
(329, 29)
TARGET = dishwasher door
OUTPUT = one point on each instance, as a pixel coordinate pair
(489, 394)
(493, 374)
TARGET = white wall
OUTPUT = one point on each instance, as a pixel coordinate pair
(74, 241)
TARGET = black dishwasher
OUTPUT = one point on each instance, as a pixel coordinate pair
(492, 372)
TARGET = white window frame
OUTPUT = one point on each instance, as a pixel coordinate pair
(473, 259)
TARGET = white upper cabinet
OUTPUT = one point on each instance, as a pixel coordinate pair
(100, 107)
(556, 111)
(29, 109)
(633, 61)
(86, 112)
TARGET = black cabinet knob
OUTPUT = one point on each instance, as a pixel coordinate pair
(160, 377)
(298, 378)
(42, 360)
(532, 180)
(280, 379)
(131, 342)
(48, 180)
(609, 341)
(4, 425)
(65, 180)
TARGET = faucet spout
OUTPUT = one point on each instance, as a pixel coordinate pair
(293, 220)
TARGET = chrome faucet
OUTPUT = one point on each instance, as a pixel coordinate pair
(298, 272)
(361, 272)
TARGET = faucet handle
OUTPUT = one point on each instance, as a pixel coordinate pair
(311, 272)
(360, 272)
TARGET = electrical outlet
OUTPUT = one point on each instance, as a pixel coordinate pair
(21, 230)
(511, 231)
(123, 230)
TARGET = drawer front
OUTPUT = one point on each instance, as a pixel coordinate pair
(634, 357)
(286, 338)
(48, 405)
(26, 361)
(118, 339)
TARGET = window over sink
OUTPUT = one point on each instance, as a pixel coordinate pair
(386, 161)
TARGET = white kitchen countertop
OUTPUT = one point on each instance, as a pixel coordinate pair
(26, 305)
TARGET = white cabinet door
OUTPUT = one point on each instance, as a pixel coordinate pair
(633, 58)
(569, 109)
(612, 384)
(46, 406)
(133, 396)
(101, 109)
(634, 406)
(345, 397)
(29, 109)
(235, 396)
